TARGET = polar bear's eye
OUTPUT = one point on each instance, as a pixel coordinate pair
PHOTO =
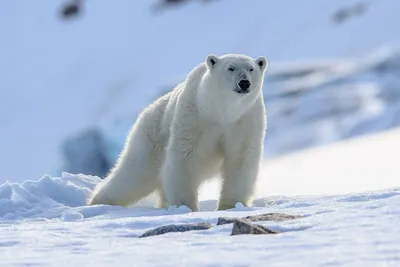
(251, 69)
(231, 69)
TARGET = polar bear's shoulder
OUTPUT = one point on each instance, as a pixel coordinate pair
(196, 74)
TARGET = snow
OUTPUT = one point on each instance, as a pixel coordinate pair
(350, 170)
(61, 77)
(98, 72)
(349, 193)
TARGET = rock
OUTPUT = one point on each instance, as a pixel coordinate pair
(224, 220)
(176, 228)
(245, 227)
(277, 217)
(262, 217)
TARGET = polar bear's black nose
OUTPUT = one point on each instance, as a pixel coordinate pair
(244, 84)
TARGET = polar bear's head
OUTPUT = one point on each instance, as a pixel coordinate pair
(238, 74)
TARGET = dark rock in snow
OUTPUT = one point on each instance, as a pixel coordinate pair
(245, 227)
(241, 226)
(176, 228)
(278, 217)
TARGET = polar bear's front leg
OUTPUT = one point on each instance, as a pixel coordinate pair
(239, 174)
(179, 182)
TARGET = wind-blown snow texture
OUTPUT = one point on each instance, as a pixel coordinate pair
(46, 223)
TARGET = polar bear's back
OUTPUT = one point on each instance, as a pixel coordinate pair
(157, 118)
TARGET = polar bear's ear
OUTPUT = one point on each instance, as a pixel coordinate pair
(211, 60)
(262, 62)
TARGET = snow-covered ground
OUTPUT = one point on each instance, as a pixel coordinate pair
(349, 192)
(59, 77)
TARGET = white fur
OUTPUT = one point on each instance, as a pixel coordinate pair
(200, 129)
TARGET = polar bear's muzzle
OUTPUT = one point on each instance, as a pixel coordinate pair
(243, 86)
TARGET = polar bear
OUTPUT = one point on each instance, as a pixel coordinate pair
(213, 123)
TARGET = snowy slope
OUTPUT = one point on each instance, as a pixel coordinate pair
(61, 77)
(45, 222)
(311, 104)
(361, 164)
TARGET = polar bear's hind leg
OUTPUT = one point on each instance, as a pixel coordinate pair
(134, 177)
